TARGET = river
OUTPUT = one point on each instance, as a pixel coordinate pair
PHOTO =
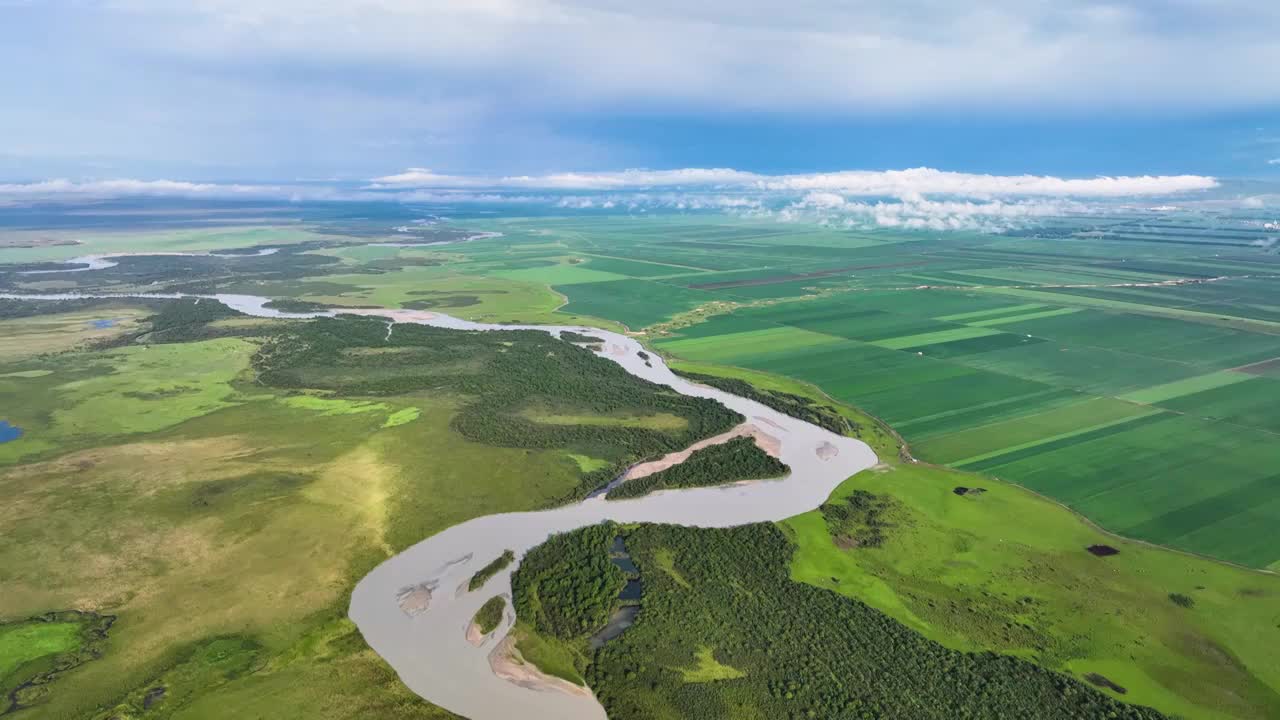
(428, 647)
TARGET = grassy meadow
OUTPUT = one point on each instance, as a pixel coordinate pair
(220, 514)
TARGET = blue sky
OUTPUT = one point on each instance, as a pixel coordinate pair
(220, 90)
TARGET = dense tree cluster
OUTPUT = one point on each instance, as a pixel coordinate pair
(290, 305)
(483, 574)
(567, 586)
(738, 459)
(502, 373)
(184, 320)
(489, 616)
(803, 652)
(579, 338)
(859, 520)
(14, 309)
(797, 406)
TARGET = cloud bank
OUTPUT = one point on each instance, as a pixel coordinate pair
(917, 198)
(893, 183)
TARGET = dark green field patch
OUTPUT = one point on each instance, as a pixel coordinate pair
(1081, 368)
(988, 412)
(1210, 510)
(635, 303)
(992, 463)
(864, 325)
(1254, 403)
(909, 400)
(973, 346)
(635, 268)
(722, 325)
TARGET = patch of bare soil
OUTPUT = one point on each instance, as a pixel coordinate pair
(766, 442)
(508, 664)
(474, 636)
(415, 599)
(1104, 682)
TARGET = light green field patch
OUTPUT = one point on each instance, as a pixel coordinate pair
(667, 563)
(28, 374)
(1266, 326)
(152, 387)
(709, 669)
(1051, 438)
(998, 437)
(1049, 276)
(739, 346)
(990, 312)
(1188, 386)
(562, 274)
(1029, 316)
(402, 417)
(550, 655)
(587, 464)
(933, 338)
(659, 421)
(471, 297)
(1007, 571)
(333, 406)
(23, 642)
(28, 337)
(184, 240)
(675, 268)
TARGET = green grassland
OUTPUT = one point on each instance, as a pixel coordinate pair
(179, 513)
(1007, 570)
(21, 643)
(725, 632)
(29, 337)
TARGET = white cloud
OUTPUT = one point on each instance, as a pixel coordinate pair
(927, 181)
(918, 213)
(421, 177)
(891, 183)
(628, 179)
(922, 194)
(134, 188)
(1274, 161)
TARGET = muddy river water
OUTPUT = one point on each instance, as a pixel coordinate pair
(414, 609)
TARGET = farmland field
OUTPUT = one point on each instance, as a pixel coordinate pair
(1126, 374)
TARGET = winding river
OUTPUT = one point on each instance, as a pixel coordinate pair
(414, 609)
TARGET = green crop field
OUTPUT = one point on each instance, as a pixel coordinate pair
(976, 347)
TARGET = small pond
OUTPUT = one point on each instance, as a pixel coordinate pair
(9, 432)
(625, 615)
